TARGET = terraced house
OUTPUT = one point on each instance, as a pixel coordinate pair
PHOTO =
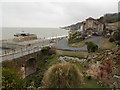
(92, 26)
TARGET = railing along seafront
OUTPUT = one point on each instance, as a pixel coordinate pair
(30, 49)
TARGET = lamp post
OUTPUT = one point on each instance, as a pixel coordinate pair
(43, 41)
(5, 51)
(22, 51)
(13, 53)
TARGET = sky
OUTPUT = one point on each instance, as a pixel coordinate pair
(52, 13)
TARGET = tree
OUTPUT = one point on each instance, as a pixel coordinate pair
(91, 47)
(64, 75)
(48, 51)
(111, 40)
(74, 35)
(11, 80)
(116, 36)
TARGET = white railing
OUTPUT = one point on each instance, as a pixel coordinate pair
(20, 50)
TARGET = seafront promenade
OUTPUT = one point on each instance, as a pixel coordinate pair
(19, 49)
(21, 52)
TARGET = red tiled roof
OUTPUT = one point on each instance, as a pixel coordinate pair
(90, 18)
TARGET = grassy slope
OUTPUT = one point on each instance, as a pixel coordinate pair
(106, 44)
(80, 54)
(90, 84)
(77, 44)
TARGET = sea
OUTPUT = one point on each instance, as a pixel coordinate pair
(46, 33)
(8, 33)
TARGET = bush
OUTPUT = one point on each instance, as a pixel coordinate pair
(47, 51)
(11, 80)
(89, 77)
(74, 35)
(116, 35)
(36, 79)
(63, 75)
(43, 61)
(91, 47)
(111, 40)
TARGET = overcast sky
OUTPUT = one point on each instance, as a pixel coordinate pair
(53, 14)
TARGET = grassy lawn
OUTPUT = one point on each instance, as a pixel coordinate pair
(53, 61)
(77, 44)
(106, 44)
(91, 84)
(80, 54)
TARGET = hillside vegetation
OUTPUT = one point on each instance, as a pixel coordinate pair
(107, 18)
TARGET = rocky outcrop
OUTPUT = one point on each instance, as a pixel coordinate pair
(65, 58)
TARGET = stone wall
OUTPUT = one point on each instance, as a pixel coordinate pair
(18, 63)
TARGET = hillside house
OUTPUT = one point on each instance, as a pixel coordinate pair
(92, 26)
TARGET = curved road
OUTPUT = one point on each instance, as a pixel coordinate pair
(63, 44)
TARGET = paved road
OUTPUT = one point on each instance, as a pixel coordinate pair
(63, 44)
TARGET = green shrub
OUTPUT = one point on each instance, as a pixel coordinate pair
(116, 36)
(89, 77)
(111, 40)
(48, 50)
(36, 79)
(64, 75)
(91, 47)
(44, 61)
(11, 80)
(45, 50)
(74, 35)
